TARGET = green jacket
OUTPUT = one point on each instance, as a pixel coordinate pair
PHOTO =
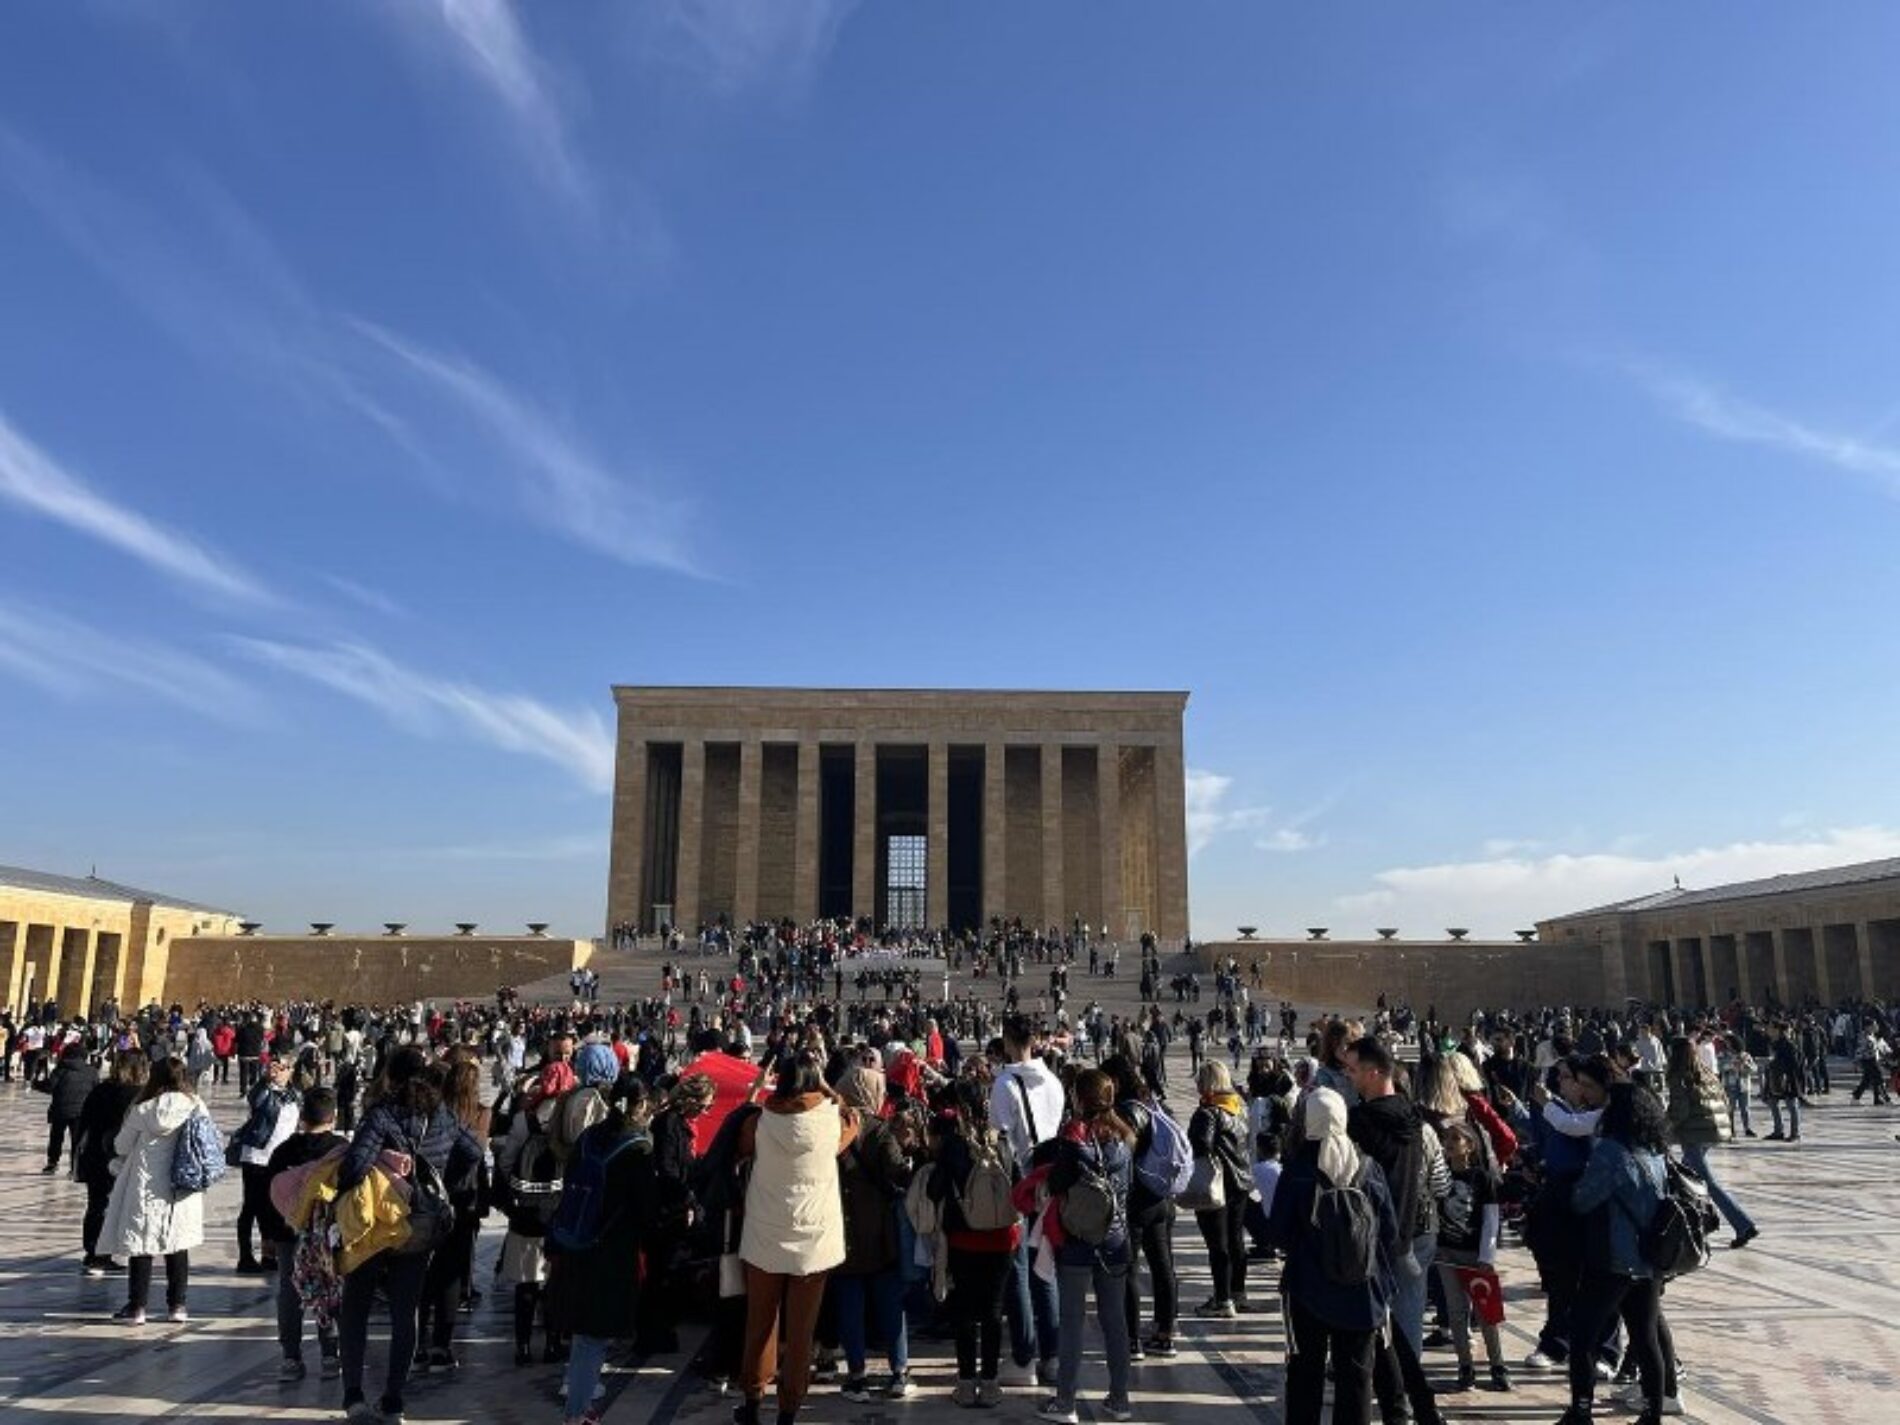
(1698, 1111)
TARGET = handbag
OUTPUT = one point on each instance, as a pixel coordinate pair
(731, 1275)
(1206, 1190)
(431, 1214)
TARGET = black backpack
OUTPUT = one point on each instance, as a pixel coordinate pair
(1347, 1225)
(1676, 1241)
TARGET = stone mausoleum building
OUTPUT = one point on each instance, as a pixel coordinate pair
(914, 807)
(1828, 935)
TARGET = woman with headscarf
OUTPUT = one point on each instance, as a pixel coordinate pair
(793, 1235)
(872, 1177)
(1325, 1318)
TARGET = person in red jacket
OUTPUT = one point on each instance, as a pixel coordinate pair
(223, 1045)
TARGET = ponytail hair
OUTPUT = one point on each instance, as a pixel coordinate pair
(1094, 1094)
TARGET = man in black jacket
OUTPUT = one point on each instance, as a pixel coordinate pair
(1387, 1128)
(72, 1079)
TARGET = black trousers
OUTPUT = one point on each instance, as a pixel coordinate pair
(1601, 1299)
(1156, 1239)
(1399, 1383)
(976, 1309)
(138, 1280)
(1870, 1081)
(98, 1194)
(256, 1192)
(1225, 1232)
(1350, 1355)
(57, 1132)
(449, 1267)
(401, 1279)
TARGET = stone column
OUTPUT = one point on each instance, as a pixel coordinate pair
(1053, 910)
(864, 834)
(15, 963)
(692, 828)
(745, 891)
(55, 951)
(1742, 978)
(1171, 902)
(995, 833)
(805, 840)
(1864, 952)
(937, 872)
(1712, 989)
(1108, 797)
(626, 854)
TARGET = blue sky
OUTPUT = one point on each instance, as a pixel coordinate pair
(1489, 412)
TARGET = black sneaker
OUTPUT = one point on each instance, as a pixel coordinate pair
(858, 1389)
(1162, 1346)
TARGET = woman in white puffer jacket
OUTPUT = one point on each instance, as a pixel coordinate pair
(144, 1217)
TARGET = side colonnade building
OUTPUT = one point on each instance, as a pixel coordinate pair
(1825, 935)
(917, 808)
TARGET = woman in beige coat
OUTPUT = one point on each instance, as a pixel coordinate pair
(794, 1227)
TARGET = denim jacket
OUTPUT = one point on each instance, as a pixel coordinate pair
(1627, 1185)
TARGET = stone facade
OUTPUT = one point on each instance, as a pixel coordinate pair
(757, 803)
(1452, 976)
(81, 941)
(1820, 935)
(352, 969)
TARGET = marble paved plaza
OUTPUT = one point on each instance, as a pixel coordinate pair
(1802, 1326)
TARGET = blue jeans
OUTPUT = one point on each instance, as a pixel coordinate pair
(1794, 1116)
(1409, 1279)
(885, 1290)
(1696, 1157)
(1738, 1111)
(585, 1357)
(1111, 1291)
(1031, 1305)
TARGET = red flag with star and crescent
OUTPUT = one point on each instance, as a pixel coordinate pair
(1486, 1292)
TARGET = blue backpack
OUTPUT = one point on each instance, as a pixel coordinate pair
(198, 1155)
(1168, 1163)
(582, 1220)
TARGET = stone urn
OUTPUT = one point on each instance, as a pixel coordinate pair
(1457, 932)
(1247, 932)
(1389, 932)
(1526, 936)
(322, 927)
(249, 927)
(1316, 932)
(538, 929)
(464, 927)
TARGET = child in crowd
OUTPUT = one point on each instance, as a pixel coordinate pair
(1266, 1177)
(1467, 1238)
(315, 1137)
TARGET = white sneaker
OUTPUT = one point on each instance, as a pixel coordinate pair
(1115, 1410)
(1055, 1408)
(1014, 1375)
(1538, 1361)
(1630, 1396)
(1672, 1404)
(1605, 1371)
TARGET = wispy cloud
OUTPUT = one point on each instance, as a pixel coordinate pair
(578, 740)
(375, 600)
(75, 660)
(34, 481)
(736, 45)
(557, 481)
(1709, 409)
(1209, 816)
(1503, 893)
(1288, 838)
(487, 40)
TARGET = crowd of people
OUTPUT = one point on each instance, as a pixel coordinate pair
(823, 1158)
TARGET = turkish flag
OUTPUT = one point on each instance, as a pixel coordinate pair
(1486, 1292)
